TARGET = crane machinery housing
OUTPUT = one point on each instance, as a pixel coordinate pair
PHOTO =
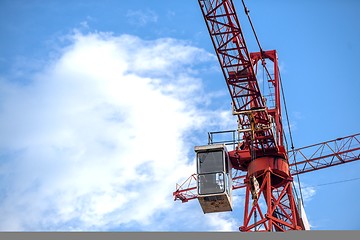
(259, 156)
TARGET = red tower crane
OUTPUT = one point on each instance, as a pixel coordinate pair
(259, 159)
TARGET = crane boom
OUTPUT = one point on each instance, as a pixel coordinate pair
(238, 70)
(326, 154)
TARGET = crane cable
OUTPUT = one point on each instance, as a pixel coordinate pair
(247, 11)
(320, 185)
(291, 138)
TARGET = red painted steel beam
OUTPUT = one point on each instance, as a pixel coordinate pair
(238, 70)
(279, 212)
(325, 154)
(188, 189)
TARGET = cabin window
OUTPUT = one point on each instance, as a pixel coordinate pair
(211, 183)
(210, 162)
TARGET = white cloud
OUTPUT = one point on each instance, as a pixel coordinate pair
(141, 17)
(308, 192)
(98, 138)
(84, 24)
(223, 222)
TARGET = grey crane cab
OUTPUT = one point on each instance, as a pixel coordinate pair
(214, 180)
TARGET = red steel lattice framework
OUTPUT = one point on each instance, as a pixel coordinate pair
(261, 153)
(306, 159)
(237, 67)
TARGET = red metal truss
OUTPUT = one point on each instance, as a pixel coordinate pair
(269, 61)
(238, 70)
(325, 154)
(188, 190)
(310, 158)
(270, 208)
(259, 159)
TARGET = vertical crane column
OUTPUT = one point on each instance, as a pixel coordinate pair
(273, 79)
(269, 202)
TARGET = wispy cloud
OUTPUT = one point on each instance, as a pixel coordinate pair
(308, 192)
(141, 17)
(98, 138)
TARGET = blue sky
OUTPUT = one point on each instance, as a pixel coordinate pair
(103, 101)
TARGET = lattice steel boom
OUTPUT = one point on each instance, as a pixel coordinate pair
(325, 154)
(238, 70)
